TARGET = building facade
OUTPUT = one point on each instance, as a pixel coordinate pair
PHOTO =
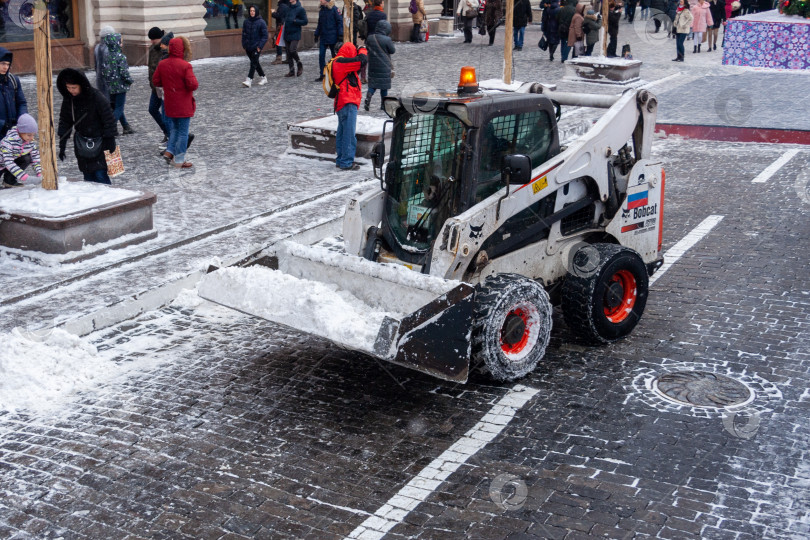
(212, 26)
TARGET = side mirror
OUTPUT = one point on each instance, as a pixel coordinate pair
(378, 158)
(517, 169)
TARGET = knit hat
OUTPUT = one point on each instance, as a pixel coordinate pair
(105, 31)
(166, 38)
(26, 124)
(155, 33)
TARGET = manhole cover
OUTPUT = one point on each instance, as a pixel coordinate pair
(702, 389)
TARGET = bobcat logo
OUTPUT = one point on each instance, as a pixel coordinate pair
(625, 213)
(641, 180)
(476, 232)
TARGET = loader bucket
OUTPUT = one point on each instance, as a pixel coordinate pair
(386, 311)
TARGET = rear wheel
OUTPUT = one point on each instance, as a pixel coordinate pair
(512, 326)
(605, 292)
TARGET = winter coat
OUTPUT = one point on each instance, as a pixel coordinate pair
(380, 48)
(549, 24)
(420, 14)
(330, 23)
(683, 22)
(702, 17)
(13, 147)
(12, 100)
(718, 11)
(101, 53)
(644, 4)
(564, 18)
(465, 6)
(522, 14)
(116, 69)
(176, 76)
(614, 17)
(295, 19)
(89, 114)
(374, 17)
(660, 5)
(590, 27)
(346, 73)
(575, 30)
(493, 13)
(254, 33)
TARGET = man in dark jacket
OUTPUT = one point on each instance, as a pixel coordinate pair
(522, 16)
(566, 15)
(88, 112)
(548, 24)
(12, 100)
(296, 18)
(279, 15)
(330, 23)
(156, 99)
(346, 73)
(254, 38)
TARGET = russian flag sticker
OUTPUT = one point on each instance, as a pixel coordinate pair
(637, 199)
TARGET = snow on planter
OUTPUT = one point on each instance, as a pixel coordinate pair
(70, 199)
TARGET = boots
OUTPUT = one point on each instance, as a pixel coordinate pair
(698, 47)
(300, 69)
(278, 60)
(694, 49)
(367, 103)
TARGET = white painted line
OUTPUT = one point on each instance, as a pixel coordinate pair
(772, 169)
(684, 244)
(423, 484)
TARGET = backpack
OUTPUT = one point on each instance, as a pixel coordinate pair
(330, 87)
(413, 8)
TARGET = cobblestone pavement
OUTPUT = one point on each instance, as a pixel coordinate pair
(232, 427)
(239, 428)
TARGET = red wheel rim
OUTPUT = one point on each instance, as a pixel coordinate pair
(517, 346)
(620, 296)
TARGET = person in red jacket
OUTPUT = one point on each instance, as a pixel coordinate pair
(346, 74)
(176, 76)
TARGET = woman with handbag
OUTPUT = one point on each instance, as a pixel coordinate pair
(468, 11)
(380, 68)
(87, 112)
(576, 37)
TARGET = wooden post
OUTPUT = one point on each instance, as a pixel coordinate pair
(507, 44)
(348, 6)
(42, 58)
(605, 14)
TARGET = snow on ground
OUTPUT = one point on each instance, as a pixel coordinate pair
(39, 369)
(71, 198)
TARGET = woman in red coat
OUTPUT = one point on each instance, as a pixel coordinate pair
(176, 76)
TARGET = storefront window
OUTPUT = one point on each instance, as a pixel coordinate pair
(17, 21)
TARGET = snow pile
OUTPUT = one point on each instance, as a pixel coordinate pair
(71, 198)
(498, 84)
(305, 305)
(39, 369)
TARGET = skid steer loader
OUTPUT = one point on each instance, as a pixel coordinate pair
(481, 222)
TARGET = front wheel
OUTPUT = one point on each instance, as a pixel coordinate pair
(605, 292)
(511, 327)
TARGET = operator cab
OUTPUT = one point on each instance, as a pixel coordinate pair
(448, 153)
